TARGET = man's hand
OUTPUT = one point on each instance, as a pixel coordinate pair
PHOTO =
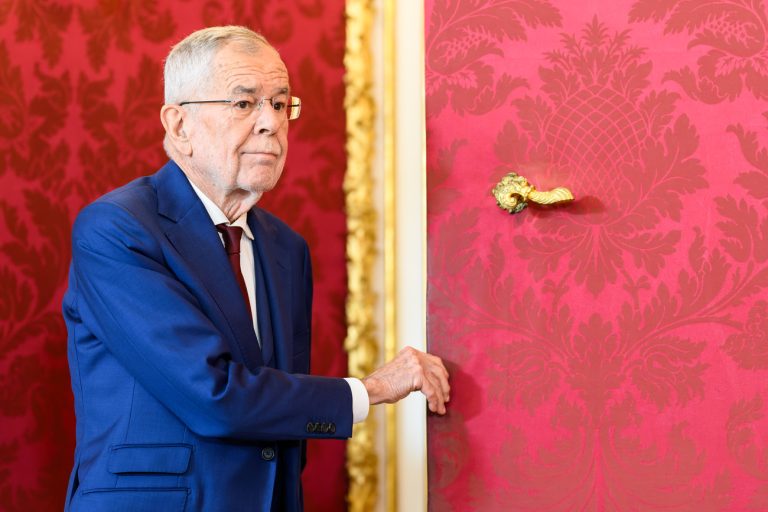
(410, 370)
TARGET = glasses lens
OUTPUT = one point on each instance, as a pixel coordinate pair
(294, 108)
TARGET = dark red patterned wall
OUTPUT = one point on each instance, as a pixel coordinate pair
(612, 354)
(80, 93)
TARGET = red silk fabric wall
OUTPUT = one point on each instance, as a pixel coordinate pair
(80, 93)
(611, 354)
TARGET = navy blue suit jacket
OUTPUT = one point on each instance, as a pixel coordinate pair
(177, 407)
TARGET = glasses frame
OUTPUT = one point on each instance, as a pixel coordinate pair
(294, 105)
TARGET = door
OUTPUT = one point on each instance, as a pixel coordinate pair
(612, 353)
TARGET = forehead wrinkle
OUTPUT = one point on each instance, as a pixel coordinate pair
(252, 82)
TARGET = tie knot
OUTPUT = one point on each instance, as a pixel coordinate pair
(232, 235)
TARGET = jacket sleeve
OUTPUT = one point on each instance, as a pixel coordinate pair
(147, 319)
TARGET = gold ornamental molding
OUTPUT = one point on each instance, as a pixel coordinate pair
(390, 241)
(361, 343)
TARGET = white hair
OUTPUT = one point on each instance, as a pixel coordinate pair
(188, 65)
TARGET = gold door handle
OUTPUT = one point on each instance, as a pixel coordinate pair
(513, 192)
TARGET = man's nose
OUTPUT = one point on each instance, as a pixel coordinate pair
(268, 120)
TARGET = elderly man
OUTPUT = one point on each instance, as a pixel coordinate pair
(189, 309)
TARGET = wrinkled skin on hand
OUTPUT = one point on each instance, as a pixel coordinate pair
(411, 370)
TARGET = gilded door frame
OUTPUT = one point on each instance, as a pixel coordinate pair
(386, 462)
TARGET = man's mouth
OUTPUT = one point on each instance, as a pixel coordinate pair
(261, 153)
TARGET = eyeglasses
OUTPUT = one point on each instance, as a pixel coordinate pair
(243, 108)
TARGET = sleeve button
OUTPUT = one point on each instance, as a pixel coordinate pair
(268, 453)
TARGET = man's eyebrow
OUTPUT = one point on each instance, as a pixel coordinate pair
(241, 89)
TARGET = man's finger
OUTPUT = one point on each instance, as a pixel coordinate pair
(441, 376)
(432, 390)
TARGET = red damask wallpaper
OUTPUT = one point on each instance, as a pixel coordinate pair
(80, 93)
(611, 354)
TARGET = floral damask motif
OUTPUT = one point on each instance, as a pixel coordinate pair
(33, 267)
(609, 337)
(736, 35)
(127, 137)
(39, 266)
(28, 127)
(448, 440)
(749, 348)
(324, 118)
(34, 227)
(442, 193)
(462, 36)
(755, 181)
(12, 106)
(310, 8)
(594, 380)
(115, 20)
(745, 233)
(41, 422)
(39, 19)
(627, 157)
(596, 358)
(745, 238)
(606, 468)
(745, 431)
(274, 19)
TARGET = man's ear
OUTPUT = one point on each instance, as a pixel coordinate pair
(173, 118)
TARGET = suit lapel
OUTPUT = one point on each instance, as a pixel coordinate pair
(271, 284)
(194, 236)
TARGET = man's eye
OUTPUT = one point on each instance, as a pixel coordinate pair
(243, 105)
(279, 106)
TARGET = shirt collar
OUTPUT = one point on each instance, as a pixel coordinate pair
(218, 217)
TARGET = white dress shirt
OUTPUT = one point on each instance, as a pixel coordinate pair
(360, 400)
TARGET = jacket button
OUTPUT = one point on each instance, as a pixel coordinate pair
(268, 453)
(310, 427)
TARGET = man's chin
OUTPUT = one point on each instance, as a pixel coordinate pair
(262, 183)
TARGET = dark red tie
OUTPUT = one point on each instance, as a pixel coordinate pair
(232, 236)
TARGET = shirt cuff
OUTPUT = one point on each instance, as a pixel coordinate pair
(360, 401)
